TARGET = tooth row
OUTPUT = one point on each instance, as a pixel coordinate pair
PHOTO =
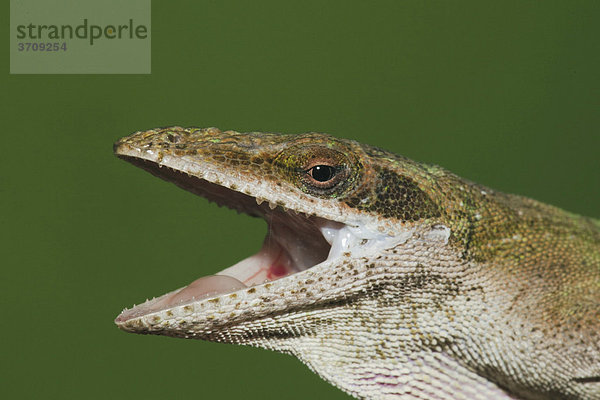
(259, 201)
(273, 205)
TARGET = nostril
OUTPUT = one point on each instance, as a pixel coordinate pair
(175, 137)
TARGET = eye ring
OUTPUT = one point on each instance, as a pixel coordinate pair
(322, 173)
(318, 170)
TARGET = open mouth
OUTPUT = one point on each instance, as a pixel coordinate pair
(295, 242)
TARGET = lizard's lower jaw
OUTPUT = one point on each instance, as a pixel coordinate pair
(294, 243)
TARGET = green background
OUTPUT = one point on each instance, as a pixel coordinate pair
(504, 93)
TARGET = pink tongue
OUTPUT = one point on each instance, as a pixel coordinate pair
(204, 287)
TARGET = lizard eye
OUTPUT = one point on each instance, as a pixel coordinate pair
(322, 173)
(318, 170)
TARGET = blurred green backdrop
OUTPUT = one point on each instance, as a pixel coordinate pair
(504, 93)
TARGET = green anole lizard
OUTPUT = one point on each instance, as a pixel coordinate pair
(387, 277)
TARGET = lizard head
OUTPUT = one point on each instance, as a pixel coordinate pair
(329, 271)
(326, 203)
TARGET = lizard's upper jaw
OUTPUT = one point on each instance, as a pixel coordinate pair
(294, 243)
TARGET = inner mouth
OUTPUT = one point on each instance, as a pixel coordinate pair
(294, 243)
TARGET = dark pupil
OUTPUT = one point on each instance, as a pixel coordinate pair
(322, 173)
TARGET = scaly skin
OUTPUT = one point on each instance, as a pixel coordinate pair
(487, 295)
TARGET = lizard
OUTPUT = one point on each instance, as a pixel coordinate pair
(387, 277)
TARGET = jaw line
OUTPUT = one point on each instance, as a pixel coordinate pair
(145, 314)
(258, 191)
